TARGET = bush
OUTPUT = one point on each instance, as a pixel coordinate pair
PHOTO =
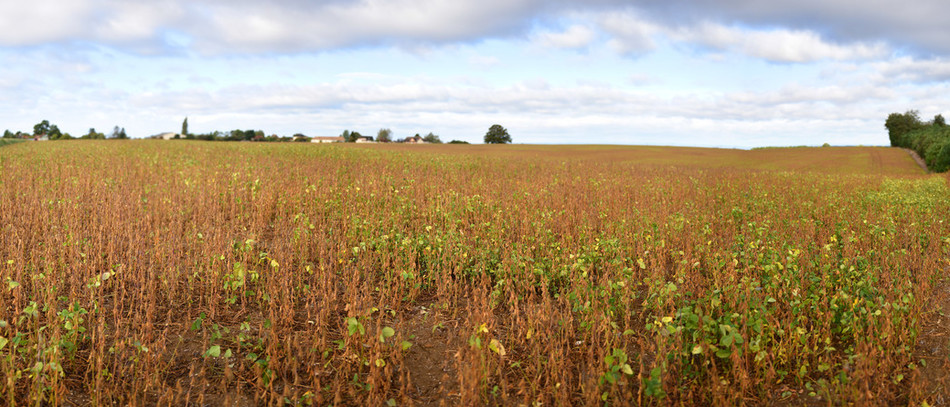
(930, 140)
(938, 156)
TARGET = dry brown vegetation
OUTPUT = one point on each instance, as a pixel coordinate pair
(177, 273)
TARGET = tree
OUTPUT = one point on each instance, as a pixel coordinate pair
(384, 135)
(497, 135)
(458, 142)
(899, 125)
(8, 134)
(351, 137)
(118, 133)
(41, 128)
(939, 120)
(184, 127)
(93, 135)
(432, 138)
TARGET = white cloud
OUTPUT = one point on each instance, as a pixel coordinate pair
(294, 26)
(241, 26)
(574, 37)
(778, 45)
(907, 69)
(630, 33)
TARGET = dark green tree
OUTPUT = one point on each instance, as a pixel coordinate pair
(497, 135)
(8, 134)
(937, 156)
(432, 138)
(184, 127)
(41, 128)
(939, 120)
(899, 125)
(351, 137)
(93, 135)
(118, 133)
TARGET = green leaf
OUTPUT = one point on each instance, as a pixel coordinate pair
(197, 324)
(386, 333)
(406, 345)
(726, 340)
(3, 342)
(626, 369)
(213, 351)
(697, 350)
(353, 326)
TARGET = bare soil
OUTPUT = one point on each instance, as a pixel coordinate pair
(933, 351)
(431, 359)
(916, 157)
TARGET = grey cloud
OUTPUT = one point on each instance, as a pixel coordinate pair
(240, 26)
(245, 26)
(918, 26)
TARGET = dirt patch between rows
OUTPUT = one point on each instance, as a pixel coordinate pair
(431, 359)
(933, 349)
(916, 157)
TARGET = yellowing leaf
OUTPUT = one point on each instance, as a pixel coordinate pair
(497, 347)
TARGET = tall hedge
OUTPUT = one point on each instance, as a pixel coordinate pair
(929, 139)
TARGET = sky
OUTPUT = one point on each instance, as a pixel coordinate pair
(711, 73)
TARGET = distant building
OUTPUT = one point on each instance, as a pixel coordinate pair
(364, 139)
(327, 140)
(417, 139)
(168, 136)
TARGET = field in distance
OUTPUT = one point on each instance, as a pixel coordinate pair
(864, 160)
(213, 273)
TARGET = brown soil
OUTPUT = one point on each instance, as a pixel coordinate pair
(431, 359)
(933, 350)
(916, 157)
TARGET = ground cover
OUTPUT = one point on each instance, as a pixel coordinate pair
(150, 272)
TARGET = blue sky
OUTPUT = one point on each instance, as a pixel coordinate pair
(719, 73)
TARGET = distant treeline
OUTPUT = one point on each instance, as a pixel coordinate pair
(930, 139)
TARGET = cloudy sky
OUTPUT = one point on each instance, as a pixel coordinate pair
(725, 73)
